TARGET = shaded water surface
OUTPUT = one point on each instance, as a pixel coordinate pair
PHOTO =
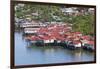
(46, 55)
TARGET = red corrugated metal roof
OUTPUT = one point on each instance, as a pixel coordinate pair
(76, 42)
(86, 37)
(35, 38)
(91, 42)
(54, 32)
(44, 37)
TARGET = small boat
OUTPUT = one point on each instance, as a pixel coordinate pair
(74, 45)
(89, 46)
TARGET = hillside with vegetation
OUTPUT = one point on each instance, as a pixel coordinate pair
(82, 22)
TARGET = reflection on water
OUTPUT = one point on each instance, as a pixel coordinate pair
(46, 55)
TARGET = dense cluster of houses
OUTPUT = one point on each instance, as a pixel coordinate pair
(76, 11)
(55, 33)
(58, 34)
(68, 11)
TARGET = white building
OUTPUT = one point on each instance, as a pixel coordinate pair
(69, 11)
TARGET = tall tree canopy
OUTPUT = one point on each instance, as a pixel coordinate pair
(84, 24)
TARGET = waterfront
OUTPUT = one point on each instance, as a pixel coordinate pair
(46, 55)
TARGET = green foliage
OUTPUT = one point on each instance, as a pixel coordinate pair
(84, 24)
(46, 13)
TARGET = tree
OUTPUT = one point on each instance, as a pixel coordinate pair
(84, 24)
(45, 12)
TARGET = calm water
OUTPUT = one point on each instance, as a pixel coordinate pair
(40, 55)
